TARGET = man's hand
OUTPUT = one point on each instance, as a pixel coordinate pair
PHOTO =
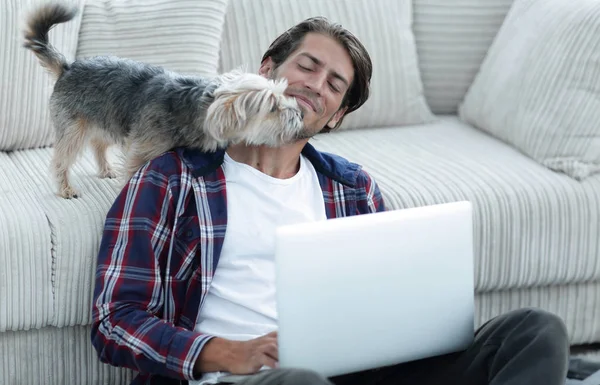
(239, 357)
(249, 356)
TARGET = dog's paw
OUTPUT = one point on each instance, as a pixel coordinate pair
(69, 193)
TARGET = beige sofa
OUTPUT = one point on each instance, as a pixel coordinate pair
(536, 229)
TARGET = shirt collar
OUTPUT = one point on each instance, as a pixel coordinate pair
(330, 165)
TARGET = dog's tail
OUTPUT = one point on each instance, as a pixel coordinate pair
(38, 25)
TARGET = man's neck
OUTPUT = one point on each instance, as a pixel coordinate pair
(281, 162)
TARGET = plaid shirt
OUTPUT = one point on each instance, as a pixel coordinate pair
(160, 247)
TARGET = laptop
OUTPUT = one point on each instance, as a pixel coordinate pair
(372, 290)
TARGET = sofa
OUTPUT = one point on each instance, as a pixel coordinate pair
(471, 100)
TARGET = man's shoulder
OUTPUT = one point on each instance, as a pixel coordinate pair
(334, 166)
(167, 163)
(181, 160)
(199, 163)
(363, 187)
(338, 160)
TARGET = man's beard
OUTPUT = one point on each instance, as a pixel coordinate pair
(307, 132)
(310, 132)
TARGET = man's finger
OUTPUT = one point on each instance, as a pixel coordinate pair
(270, 362)
(272, 351)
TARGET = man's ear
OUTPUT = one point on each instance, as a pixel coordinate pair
(266, 68)
(336, 118)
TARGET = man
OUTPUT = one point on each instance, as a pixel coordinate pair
(185, 277)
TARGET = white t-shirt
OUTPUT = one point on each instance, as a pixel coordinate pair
(240, 304)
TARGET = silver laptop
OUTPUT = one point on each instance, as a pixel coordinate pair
(372, 290)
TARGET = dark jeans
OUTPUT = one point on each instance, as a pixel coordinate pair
(526, 346)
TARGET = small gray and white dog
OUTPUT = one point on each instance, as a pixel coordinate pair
(149, 110)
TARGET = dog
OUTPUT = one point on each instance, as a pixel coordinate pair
(149, 110)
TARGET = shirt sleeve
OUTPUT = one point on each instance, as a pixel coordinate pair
(130, 292)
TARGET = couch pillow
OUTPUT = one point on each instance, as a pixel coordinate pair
(25, 86)
(181, 35)
(452, 38)
(383, 26)
(538, 88)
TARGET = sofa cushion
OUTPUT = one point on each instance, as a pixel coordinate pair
(452, 38)
(74, 228)
(181, 35)
(578, 304)
(74, 360)
(56, 356)
(396, 94)
(533, 227)
(538, 86)
(25, 85)
(26, 293)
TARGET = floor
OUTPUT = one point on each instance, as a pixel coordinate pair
(586, 359)
(594, 379)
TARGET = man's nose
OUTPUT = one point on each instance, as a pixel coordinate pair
(316, 82)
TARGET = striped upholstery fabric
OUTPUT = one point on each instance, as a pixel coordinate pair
(25, 254)
(26, 275)
(9, 175)
(533, 227)
(182, 35)
(75, 225)
(578, 304)
(68, 358)
(397, 93)
(538, 87)
(452, 38)
(75, 361)
(25, 85)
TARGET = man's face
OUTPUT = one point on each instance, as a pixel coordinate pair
(319, 74)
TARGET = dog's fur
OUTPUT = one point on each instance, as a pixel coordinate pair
(149, 110)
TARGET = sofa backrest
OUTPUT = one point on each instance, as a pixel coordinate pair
(384, 28)
(430, 70)
(180, 35)
(25, 85)
(453, 37)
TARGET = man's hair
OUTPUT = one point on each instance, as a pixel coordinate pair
(284, 45)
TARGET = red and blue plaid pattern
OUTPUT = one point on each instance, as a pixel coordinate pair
(160, 246)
